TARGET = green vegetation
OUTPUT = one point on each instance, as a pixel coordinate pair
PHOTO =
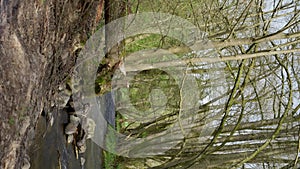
(110, 159)
(11, 121)
(150, 41)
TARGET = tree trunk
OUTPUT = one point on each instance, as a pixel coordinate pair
(37, 52)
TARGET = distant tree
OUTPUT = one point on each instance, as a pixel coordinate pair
(255, 117)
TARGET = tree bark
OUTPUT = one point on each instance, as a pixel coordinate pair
(37, 39)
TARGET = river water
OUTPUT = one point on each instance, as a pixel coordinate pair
(50, 150)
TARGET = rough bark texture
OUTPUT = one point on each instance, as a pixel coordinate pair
(37, 39)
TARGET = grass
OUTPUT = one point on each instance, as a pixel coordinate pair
(110, 159)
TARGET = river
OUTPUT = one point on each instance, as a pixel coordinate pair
(50, 150)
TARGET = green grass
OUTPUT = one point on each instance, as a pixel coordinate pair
(110, 159)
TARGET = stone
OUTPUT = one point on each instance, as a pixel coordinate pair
(82, 149)
(82, 161)
(74, 119)
(81, 142)
(70, 138)
(71, 128)
(90, 128)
